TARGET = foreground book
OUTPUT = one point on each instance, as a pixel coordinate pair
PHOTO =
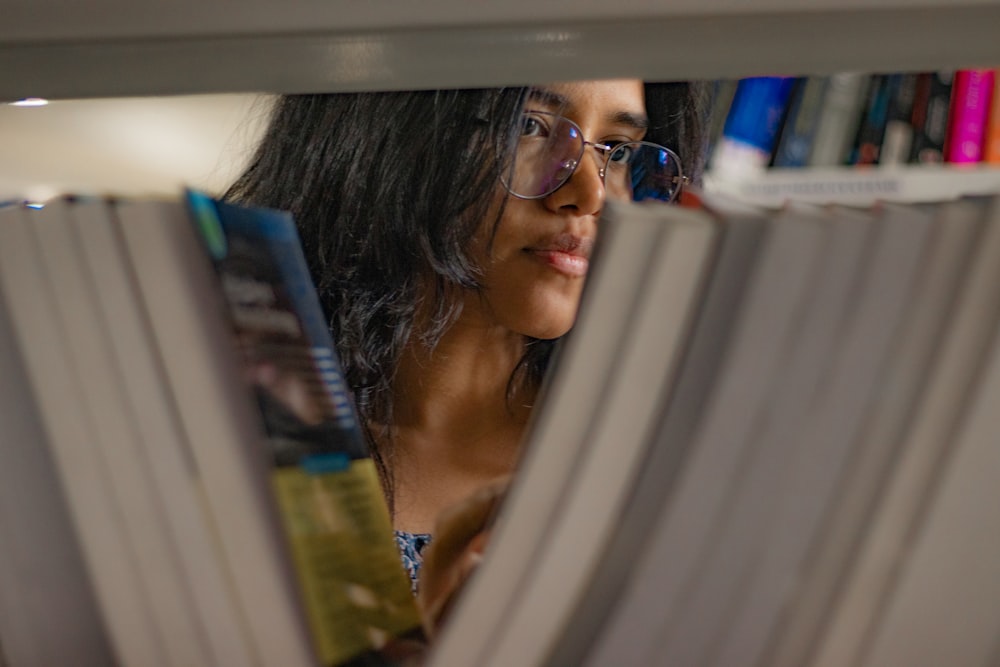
(223, 500)
(797, 473)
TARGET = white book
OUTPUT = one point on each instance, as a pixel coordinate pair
(48, 611)
(657, 591)
(117, 435)
(168, 463)
(824, 435)
(945, 606)
(938, 415)
(953, 236)
(839, 119)
(220, 420)
(739, 544)
(683, 242)
(111, 560)
(742, 229)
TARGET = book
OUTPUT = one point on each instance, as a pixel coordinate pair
(968, 115)
(930, 116)
(867, 142)
(723, 91)
(897, 140)
(167, 453)
(681, 529)
(752, 125)
(838, 121)
(116, 435)
(953, 239)
(799, 130)
(825, 431)
(867, 585)
(991, 151)
(49, 613)
(951, 564)
(742, 230)
(72, 438)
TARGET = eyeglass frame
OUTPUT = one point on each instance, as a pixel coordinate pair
(680, 179)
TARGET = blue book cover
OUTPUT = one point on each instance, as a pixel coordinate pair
(757, 111)
(752, 126)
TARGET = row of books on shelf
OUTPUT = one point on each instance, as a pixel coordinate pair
(856, 119)
(769, 440)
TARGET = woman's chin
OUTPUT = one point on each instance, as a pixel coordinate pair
(551, 329)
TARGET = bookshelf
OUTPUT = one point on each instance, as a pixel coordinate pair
(59, 50)
(859, 186)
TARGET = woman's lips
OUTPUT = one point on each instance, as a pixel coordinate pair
(566, 253)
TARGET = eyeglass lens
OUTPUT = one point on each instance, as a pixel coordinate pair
(551, 147)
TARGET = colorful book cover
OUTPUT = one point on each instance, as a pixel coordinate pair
(930, 116)
(752, 125)
(968, 115)
(354, 589)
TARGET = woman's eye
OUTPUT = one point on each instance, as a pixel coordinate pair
(532, 126)
(621, 153)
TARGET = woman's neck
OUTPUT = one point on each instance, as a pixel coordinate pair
(455, 426)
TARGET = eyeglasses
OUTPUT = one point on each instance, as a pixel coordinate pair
(551, 148)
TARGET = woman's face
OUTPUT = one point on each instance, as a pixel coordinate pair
(535, 268)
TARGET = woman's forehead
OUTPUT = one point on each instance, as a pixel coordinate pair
(620, 101)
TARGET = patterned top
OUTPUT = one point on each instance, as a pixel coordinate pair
(411, 550)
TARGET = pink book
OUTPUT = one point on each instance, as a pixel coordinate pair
(970, 105)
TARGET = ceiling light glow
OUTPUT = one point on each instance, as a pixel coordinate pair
(30, 102)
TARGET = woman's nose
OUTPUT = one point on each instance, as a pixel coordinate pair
(584, 191)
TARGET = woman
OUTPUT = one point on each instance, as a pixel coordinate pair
(448, 234)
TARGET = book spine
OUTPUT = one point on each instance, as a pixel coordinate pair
(799, 130)
(970, 101)
(930, 117)
(753, 123)
(175, 482)
(838, 120)
(898, 139)
(109, 559)
(871, 128)
(723, 92)
(991, 151)
(181, 301)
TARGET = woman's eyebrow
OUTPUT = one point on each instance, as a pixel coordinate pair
(548, 98)
(638, 121)
(552, 99)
